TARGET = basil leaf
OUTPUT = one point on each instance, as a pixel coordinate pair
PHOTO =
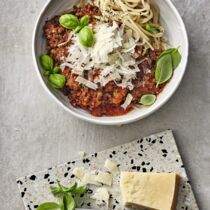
(164, 69)
(151, 29)
(57, 80)
(86, 37)
(176, 58)
(49, 206)
(55, 70)
(79, 190)
(84, 20)
(55, 190)
(68, 203)
(175, 55)
(69, 21)
(46, 62)
(148, 99)
(77, 29)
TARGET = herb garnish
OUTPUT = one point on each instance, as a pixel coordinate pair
(148, 99)
(55, 80)
(67, 197)
(167, 62)
(72, 22)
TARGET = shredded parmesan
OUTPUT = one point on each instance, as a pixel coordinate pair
(113, 54)
(127, 102)
(87, 83)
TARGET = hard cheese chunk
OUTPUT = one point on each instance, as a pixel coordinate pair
(154, 191)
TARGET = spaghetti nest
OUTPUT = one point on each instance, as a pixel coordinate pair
(136, 15)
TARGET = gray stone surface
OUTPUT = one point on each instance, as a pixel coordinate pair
(35, 133)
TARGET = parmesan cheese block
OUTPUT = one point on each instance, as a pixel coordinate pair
(154, 191)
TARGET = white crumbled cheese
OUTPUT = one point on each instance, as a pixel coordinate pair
(101, 196)
(127, 102)
(104, 178)
(82, 154)
(79, 173)
(113, 54)
(111, 166)
(86, 82)
(90, 179)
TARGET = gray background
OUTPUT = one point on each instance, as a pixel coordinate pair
(35, 133)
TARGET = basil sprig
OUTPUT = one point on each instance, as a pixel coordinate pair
(167, 62)
(148, 99)
(55, 80)
(66, 195)
(72, 22)
(86, 37)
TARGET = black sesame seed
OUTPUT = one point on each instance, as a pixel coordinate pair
(72, 176)
(134, 167)
(125, 152)
(35, 206)
(138, 168)
(66, 174)
(110, 156)
(143, 163)
(132, 161)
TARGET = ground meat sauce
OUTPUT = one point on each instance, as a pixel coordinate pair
(105, 100)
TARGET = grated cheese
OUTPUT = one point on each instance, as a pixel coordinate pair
(113, 54)
(87, 83)
(127, 102)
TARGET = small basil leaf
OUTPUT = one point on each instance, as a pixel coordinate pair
(49, 206)
(55, 190)
(84, 20)
(55, 70)
(46, 62)
(69, 21)
(71, 188)
(57, 80)
(68, 203)
(148, 99)
(79, 190)
(175, 55)
(86, 37)
(151, 28)
(77, 29)
(176, 58)
(164, 69)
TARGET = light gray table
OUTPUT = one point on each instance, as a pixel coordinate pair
(35, 133)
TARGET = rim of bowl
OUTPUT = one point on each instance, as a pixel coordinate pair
(99, 120)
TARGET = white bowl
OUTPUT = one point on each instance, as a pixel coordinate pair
(175, 31)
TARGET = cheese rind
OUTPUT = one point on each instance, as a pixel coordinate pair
(149, 190)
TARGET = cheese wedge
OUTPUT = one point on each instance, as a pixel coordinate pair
(153, 191)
